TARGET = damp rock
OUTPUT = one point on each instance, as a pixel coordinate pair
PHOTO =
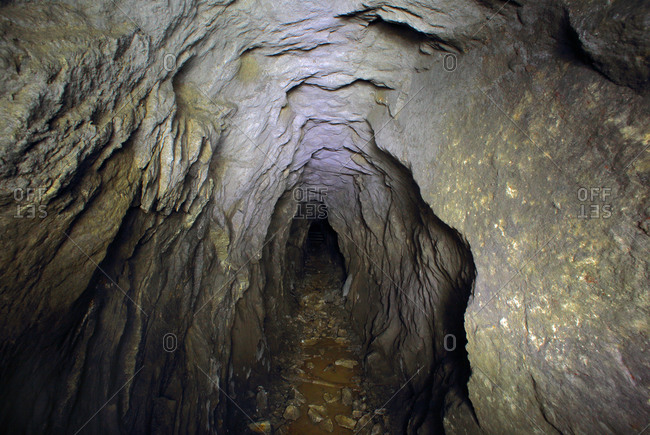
(327, 425)
(263, 427)
(317, 413)
(345, 422)
(262, 400)
(155, 162)
(347, 363)
(297, 396)
(291, 413)
(332, 398)
(346, 396)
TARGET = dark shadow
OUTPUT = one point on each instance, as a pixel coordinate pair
(321, 248)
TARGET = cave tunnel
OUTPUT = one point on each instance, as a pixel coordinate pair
(321, 238)
(351, 216)
(306, 217)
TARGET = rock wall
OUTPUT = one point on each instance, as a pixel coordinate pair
(149, 151)
(416, 271)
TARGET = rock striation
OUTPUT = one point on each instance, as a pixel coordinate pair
(484, 164)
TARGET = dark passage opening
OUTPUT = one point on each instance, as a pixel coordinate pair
(359, 292)
(321, 250)
(317, 384)
(316, 234)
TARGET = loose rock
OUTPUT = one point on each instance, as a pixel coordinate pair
(317, 413)
(261, 427)
(291, 413)
(347, 363)
(332, 398)
(346, 396)
(363, 421)
(328, 425)
(298, 397)
(345, 422)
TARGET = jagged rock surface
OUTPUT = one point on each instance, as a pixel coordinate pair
(149, 157)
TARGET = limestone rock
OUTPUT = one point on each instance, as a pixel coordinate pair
(345, 422)
(262, 400)
(263, 427)
(327, 425)
(614, 37)
(298, 397)
(364, 421)
(317, 413)
(346, 396)
(484, 165)
(291, 413)
(332, 398)
(347, 363)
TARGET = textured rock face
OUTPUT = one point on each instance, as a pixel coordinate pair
(153, 155)
(614, 37)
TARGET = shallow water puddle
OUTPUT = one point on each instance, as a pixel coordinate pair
(320, 388)
(322, 385)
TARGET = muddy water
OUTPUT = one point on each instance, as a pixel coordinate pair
(321, 375)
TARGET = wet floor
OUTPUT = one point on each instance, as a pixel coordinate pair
(321, 389)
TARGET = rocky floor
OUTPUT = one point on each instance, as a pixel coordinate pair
(321, 388)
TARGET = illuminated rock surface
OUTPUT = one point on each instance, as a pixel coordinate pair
(484, 165)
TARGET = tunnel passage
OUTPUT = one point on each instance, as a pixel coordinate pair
(321, 237)
(159, 138)
(321, 248)
(408, 277)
